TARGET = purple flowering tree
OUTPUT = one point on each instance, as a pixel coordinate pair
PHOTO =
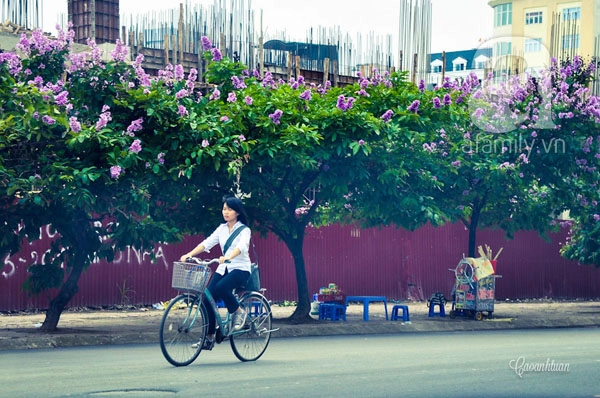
(111, 157)
(322, 154)
(107, 155)
(516, 154)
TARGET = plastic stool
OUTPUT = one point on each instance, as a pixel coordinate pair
(440, 305)
(441, 312)
(405, 314)
(437, 300)
(332, 311)
(256, 308)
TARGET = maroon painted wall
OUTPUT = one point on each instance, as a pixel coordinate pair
(393, 262)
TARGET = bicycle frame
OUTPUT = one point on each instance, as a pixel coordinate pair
(223, 324)
(182, 332)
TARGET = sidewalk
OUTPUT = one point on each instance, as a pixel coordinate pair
(141, 325)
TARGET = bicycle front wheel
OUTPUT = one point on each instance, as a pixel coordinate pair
(183, 329)
(249, 343)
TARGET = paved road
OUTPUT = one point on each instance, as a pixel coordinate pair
(459, 364)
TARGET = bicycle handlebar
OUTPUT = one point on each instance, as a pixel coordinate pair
(201, 262)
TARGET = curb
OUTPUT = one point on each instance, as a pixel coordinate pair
(19, 332)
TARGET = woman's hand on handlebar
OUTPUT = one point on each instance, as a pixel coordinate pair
(188, 259)
(222, 260)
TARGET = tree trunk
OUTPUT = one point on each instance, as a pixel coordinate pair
(302, 312)
(473, 229)
(58, 303)
(472, 239)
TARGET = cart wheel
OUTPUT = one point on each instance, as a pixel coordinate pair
(478, 315)
(452, 314)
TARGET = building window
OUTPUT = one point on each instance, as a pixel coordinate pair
(503, 14)
(437, 69)
(534, 17)
(533, 45)
(459, 67)
(570, 42)
(503, 48)
(571, 13)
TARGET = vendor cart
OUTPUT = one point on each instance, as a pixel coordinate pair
(472, 294)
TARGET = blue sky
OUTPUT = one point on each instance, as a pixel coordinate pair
(456, 24)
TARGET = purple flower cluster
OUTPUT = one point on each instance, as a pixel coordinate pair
(269, 81)
(136, 146)
(275, 116)
(181, 93)
(206, 44)
(387, 116)
(62, 98)
(105, 117)
(178, 72)
(191, 79)
(414, 107)
(238, 83)
(447, 99)
(115, 171)
(119, 54)
(216, 55)
(48, 120)
(344, 103)
(13, 61)
(135, 125)
(182, 111)
(306, 95)
(74, 124)
(216, 94)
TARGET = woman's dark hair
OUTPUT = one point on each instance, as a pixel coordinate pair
(236, 204)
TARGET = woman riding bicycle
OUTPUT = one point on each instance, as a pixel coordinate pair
(234, 265)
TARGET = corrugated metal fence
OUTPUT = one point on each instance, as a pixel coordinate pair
(392, 262)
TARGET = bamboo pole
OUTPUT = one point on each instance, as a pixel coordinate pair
(298, 73)
(93, 20)
(414, 68)
(166, 48)
(443, 67)
(132, 42)
(223, 44)
(261, 49)
(173, 45)
(180, 34)
(325, 71)
(336, 77)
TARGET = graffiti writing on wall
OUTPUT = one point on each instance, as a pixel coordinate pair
(35, 253)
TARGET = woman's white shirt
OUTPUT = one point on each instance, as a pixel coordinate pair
(242, 242)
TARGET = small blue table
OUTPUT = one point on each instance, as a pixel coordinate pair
(366, 300)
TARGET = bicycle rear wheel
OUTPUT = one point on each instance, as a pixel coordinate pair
(249, 343)
(183, 329)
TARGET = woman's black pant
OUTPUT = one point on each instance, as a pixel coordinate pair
(221, 287)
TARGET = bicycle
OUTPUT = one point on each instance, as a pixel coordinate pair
(184, 323)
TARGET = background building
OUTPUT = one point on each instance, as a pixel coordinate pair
(528, 33)
(457, 65)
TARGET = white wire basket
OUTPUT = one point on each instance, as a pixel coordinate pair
(188, 276)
